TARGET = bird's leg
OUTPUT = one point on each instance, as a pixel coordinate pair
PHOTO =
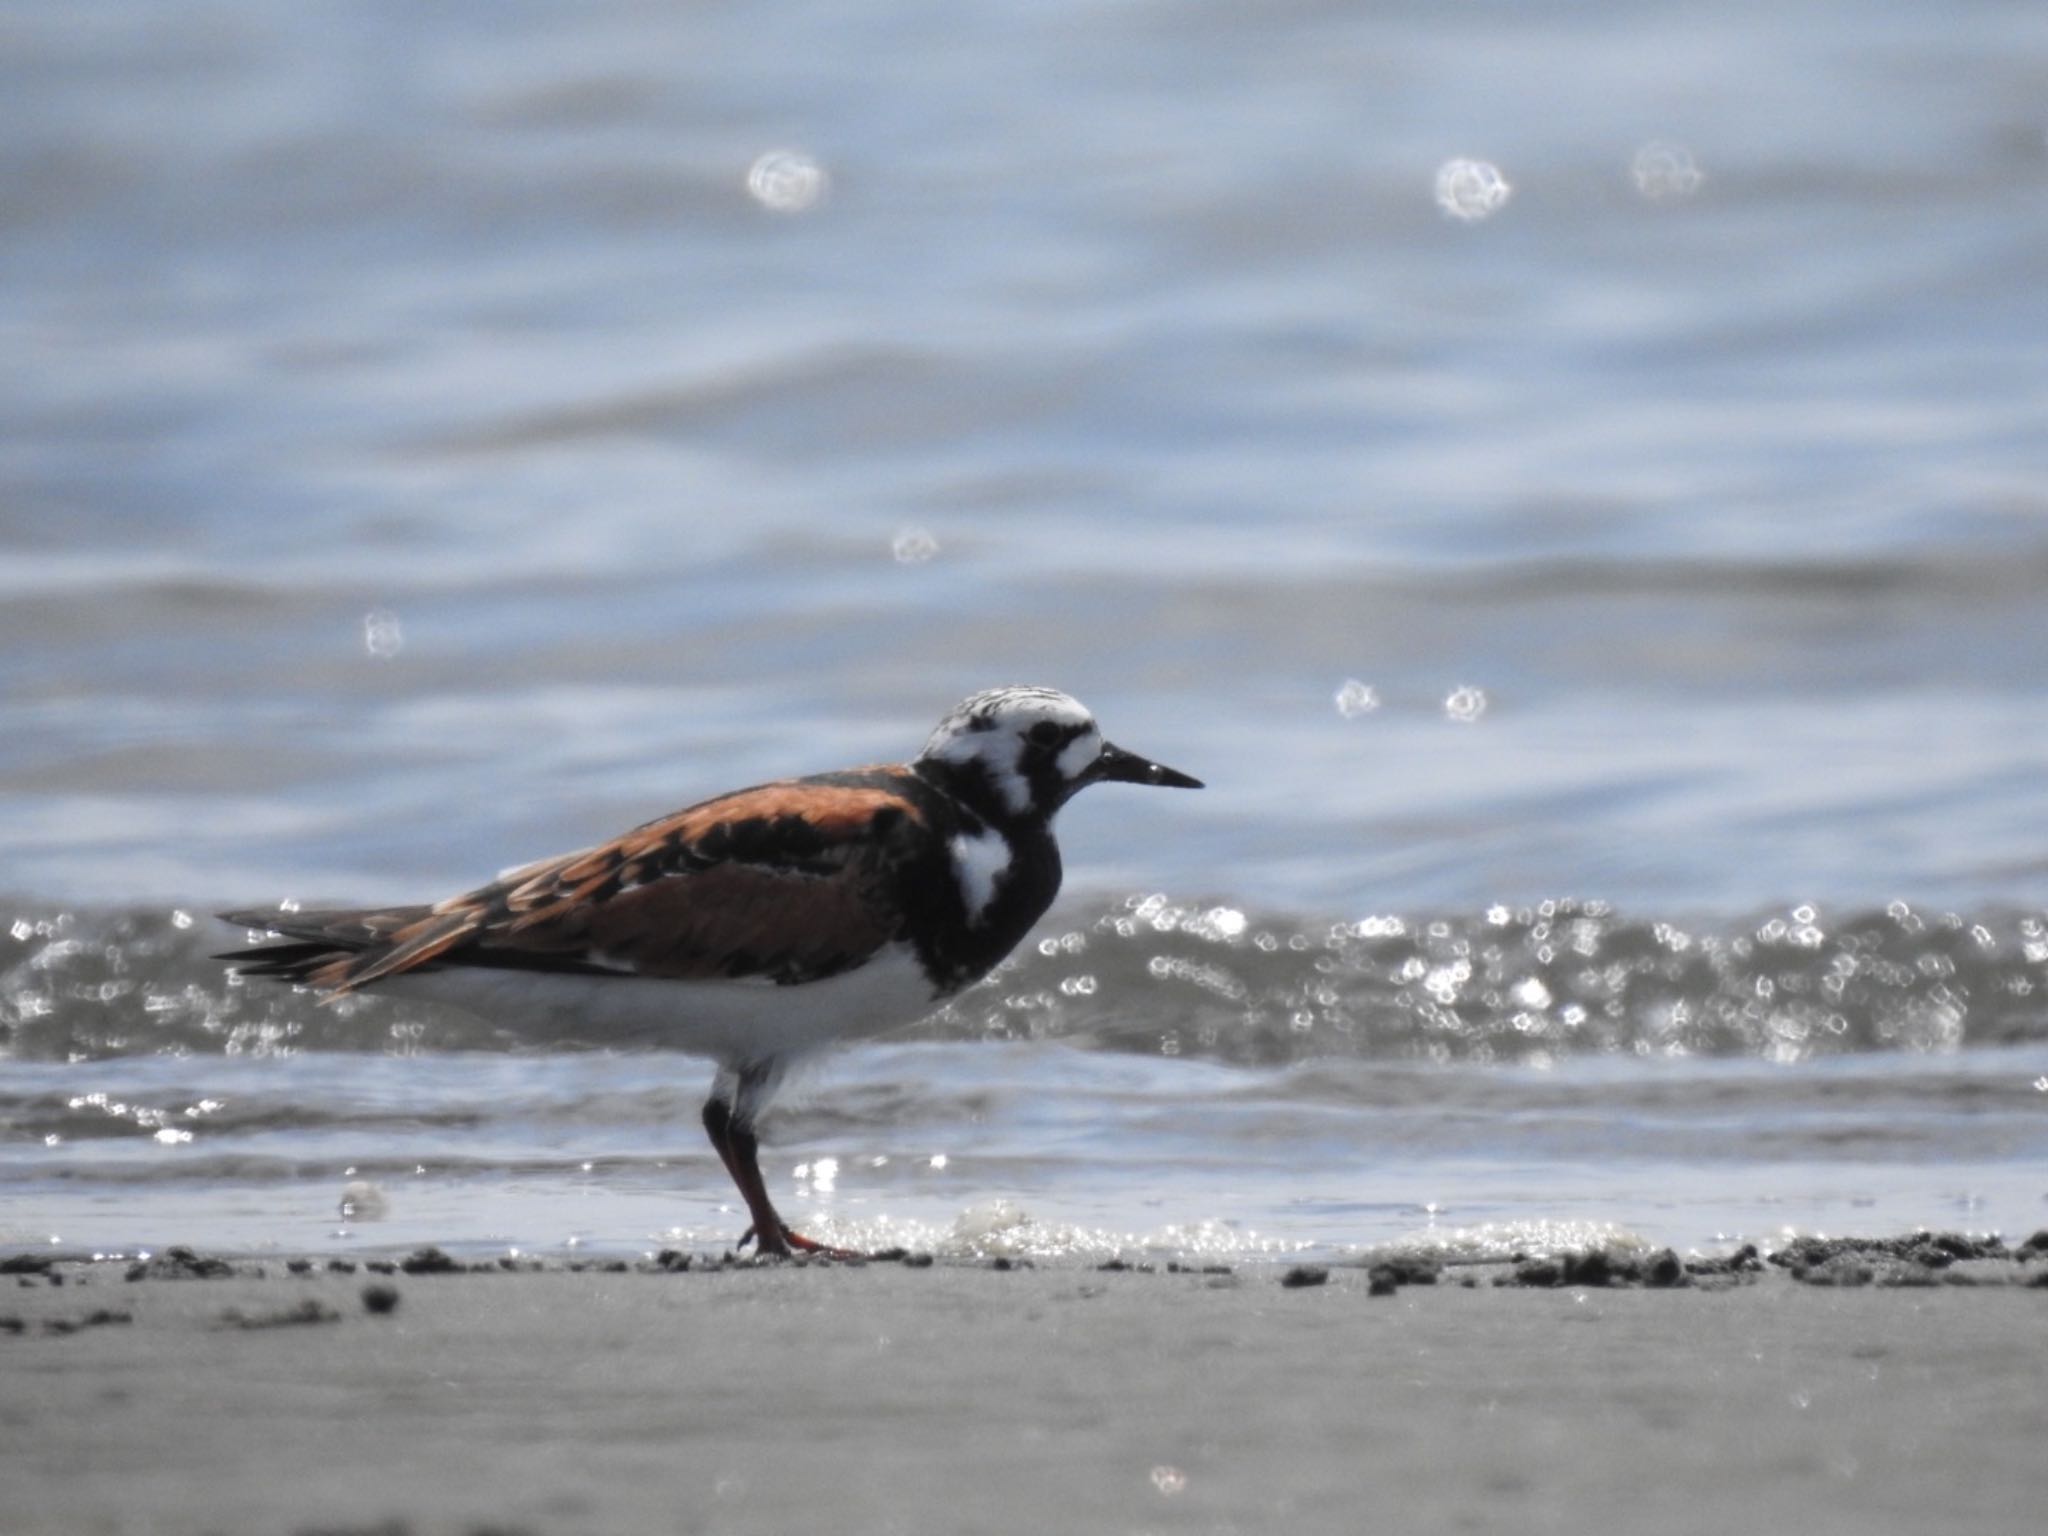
(739, 1150)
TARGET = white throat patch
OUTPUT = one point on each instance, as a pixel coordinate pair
(980, 861)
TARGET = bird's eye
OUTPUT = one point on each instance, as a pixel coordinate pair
(1045, 733)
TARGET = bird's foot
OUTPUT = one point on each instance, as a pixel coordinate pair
(793, 1243)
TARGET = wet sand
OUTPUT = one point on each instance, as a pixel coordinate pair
(964, 1398)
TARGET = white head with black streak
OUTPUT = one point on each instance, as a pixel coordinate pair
(1020, 753)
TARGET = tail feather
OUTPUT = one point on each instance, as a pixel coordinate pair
(340, 950)
(294, 962)
(334, 950)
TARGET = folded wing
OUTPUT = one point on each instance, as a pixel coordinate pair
(788, 882)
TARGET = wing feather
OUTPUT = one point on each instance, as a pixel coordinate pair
(788, 882)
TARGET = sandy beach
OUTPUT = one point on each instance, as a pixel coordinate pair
(966, 1398)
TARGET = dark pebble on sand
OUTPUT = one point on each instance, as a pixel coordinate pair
(299, 1266)
(1385, 1276)
(341, 1266)
(2035, 1247)
(381, 1267)
(380, 1298)
(12, 1325)
(917, 1261)
(1302, 1275)
(1539, 1272)
(180, 1264)
(1593, 1267)
(97, 1319)
(39, 1263)
(673, 1261)
(1743, 1261)
(1664, 1271)
(429, 1261)
(1412, 1269)
(1934, 1250)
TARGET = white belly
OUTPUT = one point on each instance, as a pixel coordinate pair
(729, 1021)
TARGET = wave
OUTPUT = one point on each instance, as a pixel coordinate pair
(1151, 975)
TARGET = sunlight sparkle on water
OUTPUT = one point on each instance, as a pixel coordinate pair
(1465, 704)
(1355, 698)
(1169, 1481)
(913, 546)
(1665, 172)
(786, 181)
(1495, 1241)
(1003, 1229)
(1471, 190)
(383, 634)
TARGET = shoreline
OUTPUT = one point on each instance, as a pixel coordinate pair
(1856, 1389)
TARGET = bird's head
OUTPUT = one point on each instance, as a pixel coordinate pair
(1018, 754)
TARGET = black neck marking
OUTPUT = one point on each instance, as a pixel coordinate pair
(955, 947)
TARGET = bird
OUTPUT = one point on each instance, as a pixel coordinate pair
(753, 928)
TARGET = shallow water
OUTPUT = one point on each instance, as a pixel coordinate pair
(424, 452)
(1155, 1079)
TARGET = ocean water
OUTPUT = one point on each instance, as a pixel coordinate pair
(1602, 585)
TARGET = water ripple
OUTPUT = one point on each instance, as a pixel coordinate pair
(1528, 985)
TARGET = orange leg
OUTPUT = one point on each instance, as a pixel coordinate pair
(740, 1152)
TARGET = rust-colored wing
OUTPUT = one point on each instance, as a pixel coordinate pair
(788, 882)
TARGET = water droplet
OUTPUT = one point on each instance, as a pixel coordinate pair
(786, 181)
(938, 1160)
(383, 634)
(1170, 1481)
(181, 919)
(1665, 172)
(1465, 704)
(913, 546)
(1471, 189)
(1355, 698)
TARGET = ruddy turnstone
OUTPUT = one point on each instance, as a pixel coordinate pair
(755, 927)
